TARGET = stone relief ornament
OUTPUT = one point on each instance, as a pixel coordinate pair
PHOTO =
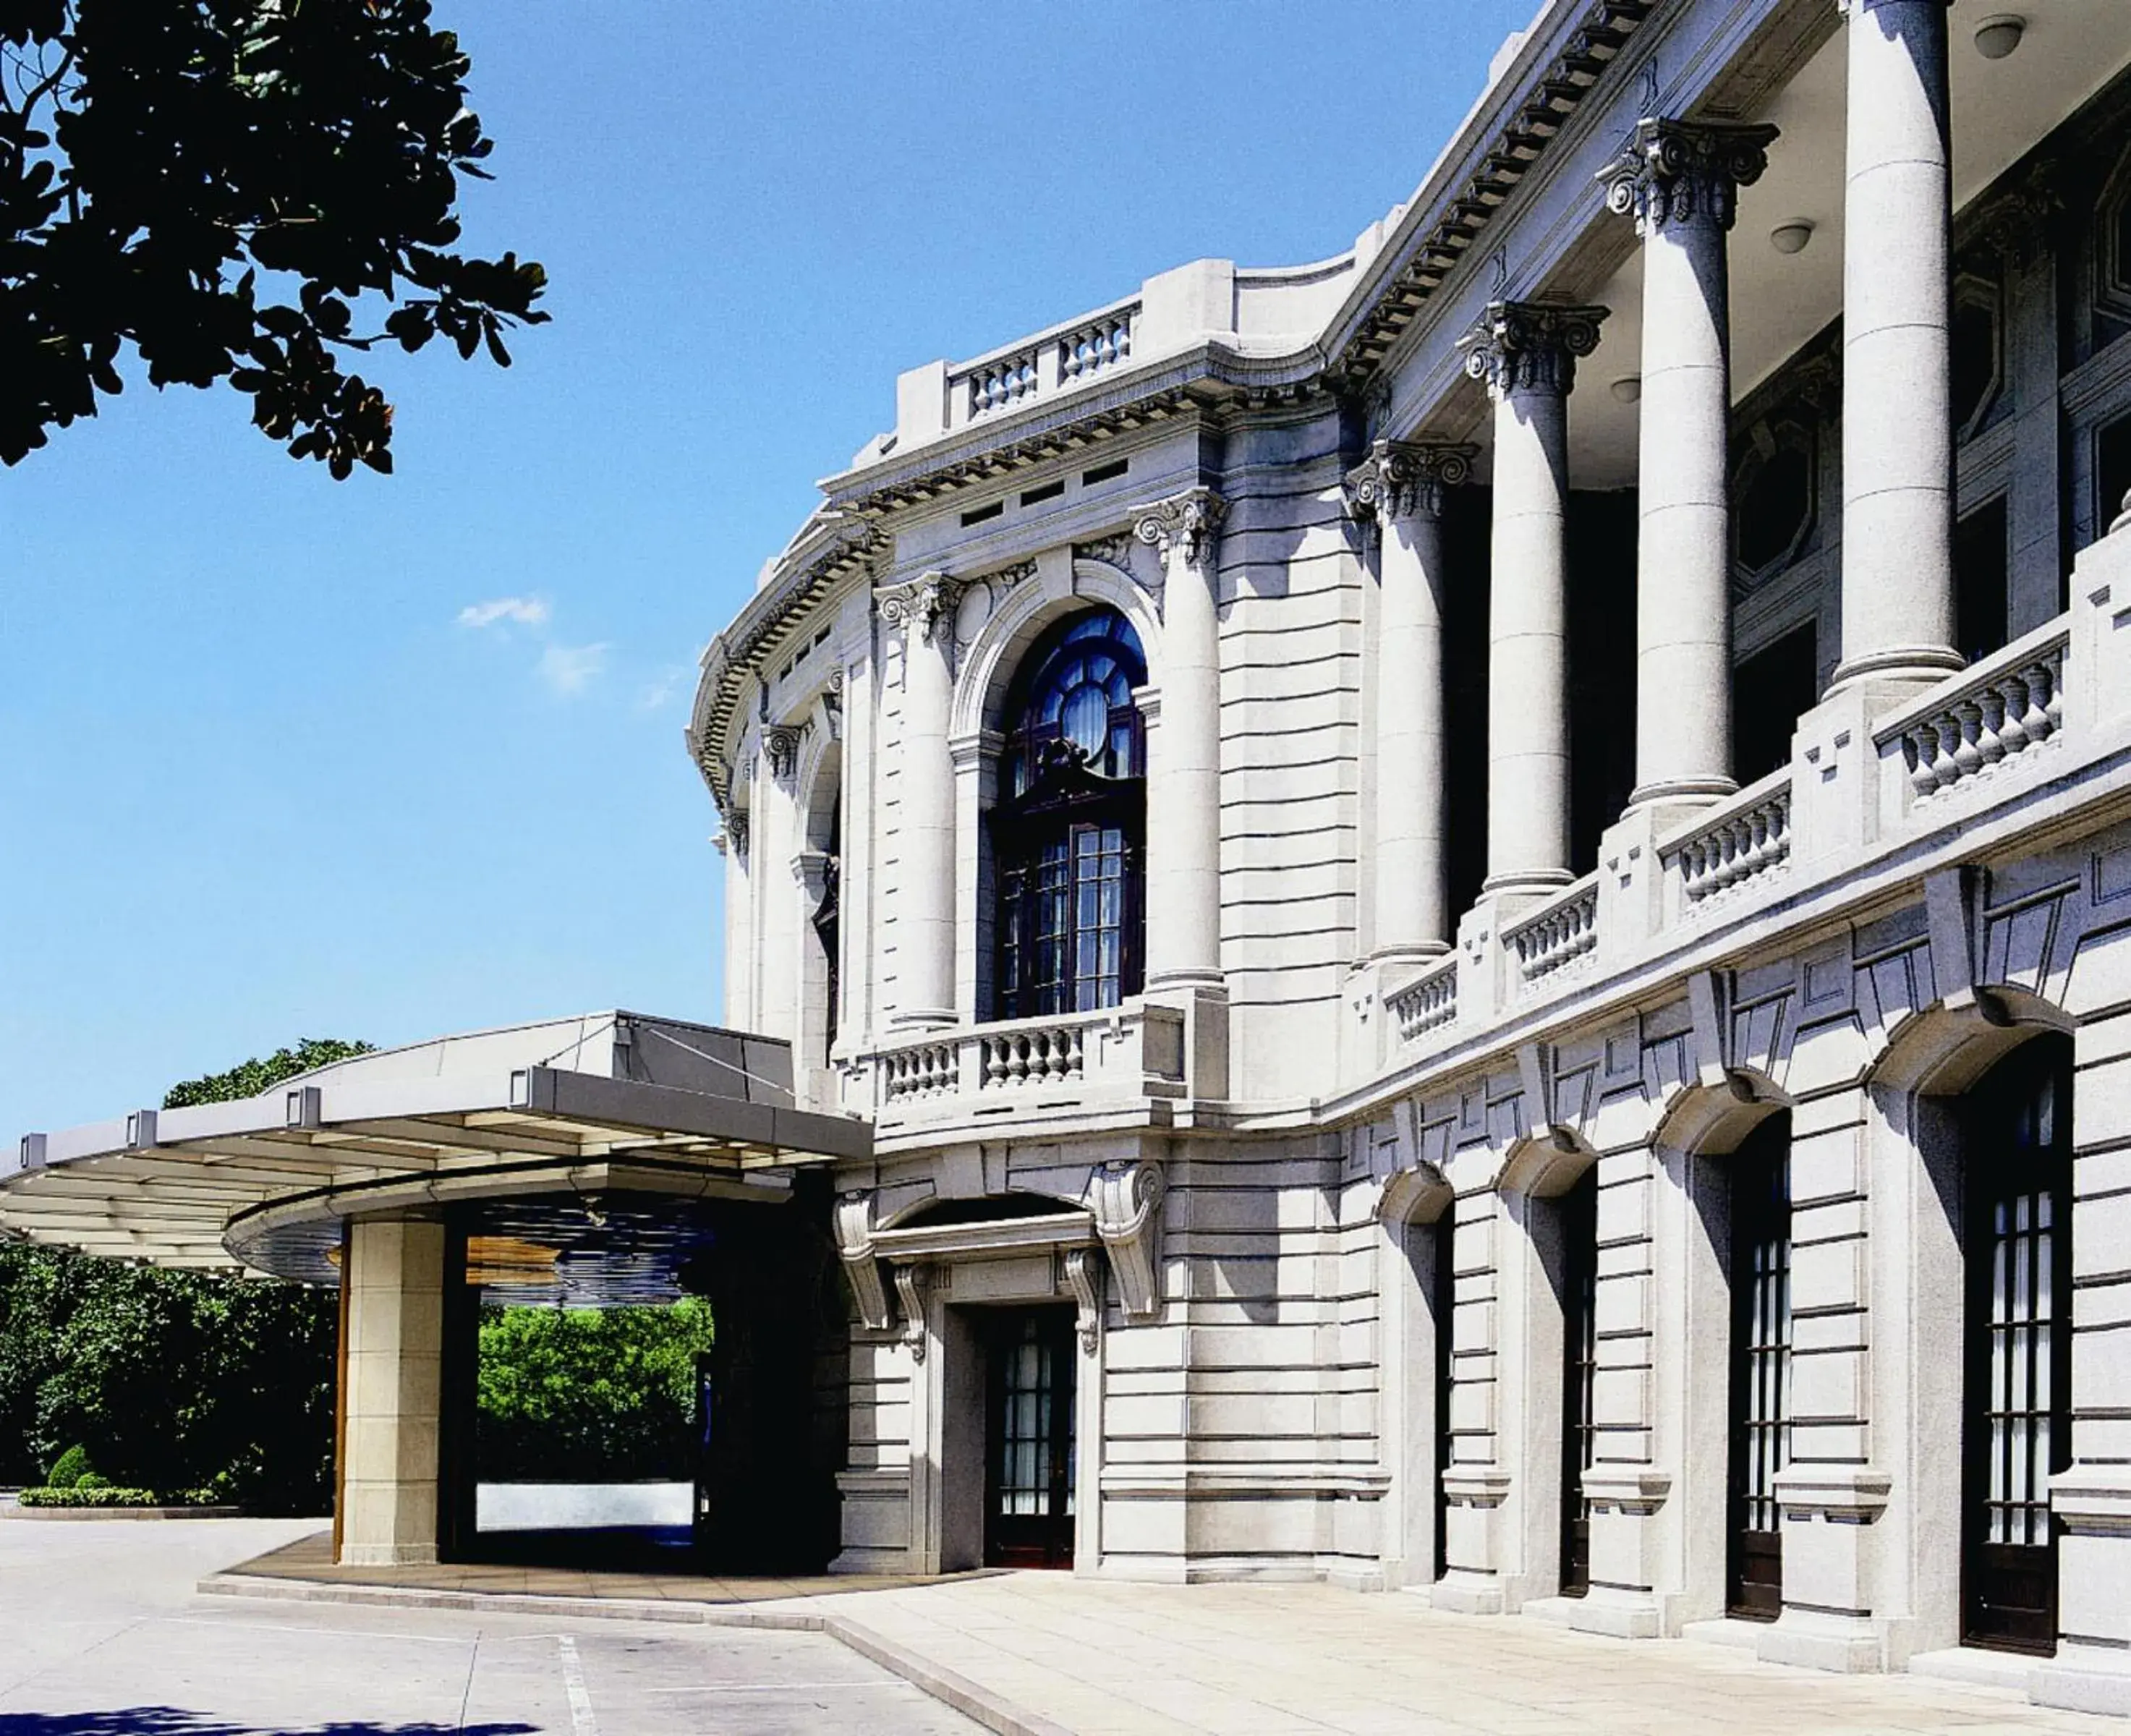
(1673, 172)
(1400, 477)
(1189, 521)
(911, 1284)
(919, 604)
(854, 1229)
(1126, 1200)
(782, 746)
(1529, 346)
(1084, 1277)
(736, 830)
(1113, 551)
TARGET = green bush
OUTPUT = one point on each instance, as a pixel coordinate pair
(70, 1468)
(104, 1494)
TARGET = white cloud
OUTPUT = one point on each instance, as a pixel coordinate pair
(525, 611)
(660, 689)
(569, 669)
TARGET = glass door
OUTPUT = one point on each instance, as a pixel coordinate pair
(1761, 1369)
(1029, 1458)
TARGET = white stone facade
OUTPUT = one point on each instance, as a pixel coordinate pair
(1423, 949)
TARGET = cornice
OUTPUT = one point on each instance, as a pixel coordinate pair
(833, 549)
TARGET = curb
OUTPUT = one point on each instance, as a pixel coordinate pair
(994, 1711)
(12, 1511)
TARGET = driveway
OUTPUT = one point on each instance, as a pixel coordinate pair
(101, 1634)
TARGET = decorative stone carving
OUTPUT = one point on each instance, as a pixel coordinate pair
(1126, 1200)
(782, 745)
(2021, 225)
(1400, 477)
(920, 604)
(853, 1219)
(1188, 522)
(1007, 577)
(1685, 172)
(1112, 551)
(911, 1284)
(1084, 1277)
(736, 823)
(1525, 346)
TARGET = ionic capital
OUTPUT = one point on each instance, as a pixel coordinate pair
(919, 604)
(1530, 347)
(1401, 478)
(1674, 173)
(781, 745)
(1186, 522)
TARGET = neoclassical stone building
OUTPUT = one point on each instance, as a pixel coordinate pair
(1480, 893)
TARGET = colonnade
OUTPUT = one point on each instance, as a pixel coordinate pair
(1678, 180)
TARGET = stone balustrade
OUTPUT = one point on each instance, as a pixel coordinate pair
(1750, 834)
(1427, 1003)
(1056, 361)
(2006, 706)
(1557, 934)
(1132, 1052)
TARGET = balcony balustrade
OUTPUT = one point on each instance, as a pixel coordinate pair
(1557, 934)
(1053, 362)
(2005, 707)
(1750, 835)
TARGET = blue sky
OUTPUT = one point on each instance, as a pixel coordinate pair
(262, 776)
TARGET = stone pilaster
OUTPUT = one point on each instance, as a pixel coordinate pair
(1678, 181)
(1526, 352)
(1400, 488)
(395, 1273)
(1898, 597)
(922, 611)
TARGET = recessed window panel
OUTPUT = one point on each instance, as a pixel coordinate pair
(1775, 507)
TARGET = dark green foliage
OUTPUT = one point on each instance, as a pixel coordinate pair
(69, 1468)
(590, 1394)
(222, 187)
(109, 1494)
(255, 1075)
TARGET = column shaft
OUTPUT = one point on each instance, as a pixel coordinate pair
(925, 893)
(393, 1393)
(1678, 181)
(1898, 618)
(1184, 773)
(1400, 487)
(1526, 352)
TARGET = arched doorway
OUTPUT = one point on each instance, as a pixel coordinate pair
(2016, 1216)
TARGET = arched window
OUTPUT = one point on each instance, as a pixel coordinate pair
(1069, 832)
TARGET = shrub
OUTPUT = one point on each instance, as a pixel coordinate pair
(70, 1469)
(106, 1495)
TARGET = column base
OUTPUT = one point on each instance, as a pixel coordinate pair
(1410, 953)
(1463, 1592)
(923, 1018)
(1900, 669)
(1535, 882)
(1813, 1639)
(1685, 792)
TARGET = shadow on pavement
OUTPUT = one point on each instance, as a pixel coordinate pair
(172, 1721)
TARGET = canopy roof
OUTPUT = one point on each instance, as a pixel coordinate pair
(606, 1102)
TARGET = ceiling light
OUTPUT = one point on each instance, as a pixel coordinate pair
(1628, 388)
(1792, 236)
(1997, 37)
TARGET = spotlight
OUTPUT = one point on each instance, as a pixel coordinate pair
(1997, 37)
(1628, 388)
(1792, 236)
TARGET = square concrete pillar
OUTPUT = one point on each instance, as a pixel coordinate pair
(395, 1272)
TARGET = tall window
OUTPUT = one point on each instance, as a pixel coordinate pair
(1069, 832)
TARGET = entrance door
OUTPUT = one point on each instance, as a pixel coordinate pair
(1028, 1440)
(1580, 1364)
(2017, 1429)
(1761, 1369)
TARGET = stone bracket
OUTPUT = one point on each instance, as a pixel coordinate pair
(1853, 1495)
(1628, 1490)
(1084, 1277)
(853, 1221)
(911, 1284)
(1126, 1200)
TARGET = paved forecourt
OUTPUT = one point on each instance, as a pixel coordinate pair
(105, 1636)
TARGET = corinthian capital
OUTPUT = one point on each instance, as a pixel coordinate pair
(1531, 345)
(1189, 521)
(1400, 478)
(1674, 172)
(919, 604)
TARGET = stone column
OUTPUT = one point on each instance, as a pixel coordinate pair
(779, 918)
(1184, 775)
(1526, 353)
(1400, 488)
(924, 609)
(1897, 609)
(1678, 181)
(395, 1274)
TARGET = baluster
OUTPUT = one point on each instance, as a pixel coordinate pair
(2036, 720)
(2053, 672)
(1968, 728)
(1989, 741)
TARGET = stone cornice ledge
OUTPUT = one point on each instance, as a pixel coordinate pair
(1855, 1494)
